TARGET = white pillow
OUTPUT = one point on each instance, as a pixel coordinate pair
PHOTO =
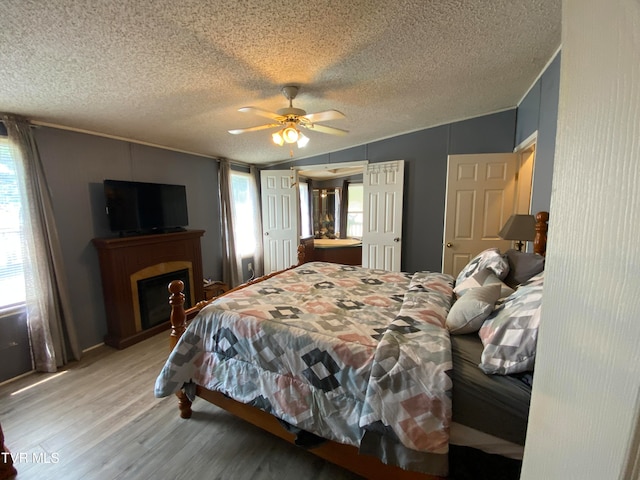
(482, 278)
(468, 313)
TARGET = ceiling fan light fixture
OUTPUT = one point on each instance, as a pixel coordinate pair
(302, 140)
(287, 120)
(277, 138)
(290, 134)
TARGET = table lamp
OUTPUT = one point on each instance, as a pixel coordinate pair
(519, 227)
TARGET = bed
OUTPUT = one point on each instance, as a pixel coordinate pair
(375, 371)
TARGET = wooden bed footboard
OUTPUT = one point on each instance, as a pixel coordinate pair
(345, 456)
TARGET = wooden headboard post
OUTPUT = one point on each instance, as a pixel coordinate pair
(540, 240)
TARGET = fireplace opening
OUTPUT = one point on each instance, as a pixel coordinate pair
(153, 297)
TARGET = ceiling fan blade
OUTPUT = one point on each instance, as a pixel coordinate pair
(324, 116)
(324, 129)
(261, 112)
(254, 129)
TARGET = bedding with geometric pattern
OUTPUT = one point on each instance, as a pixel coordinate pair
(331, 349)
(510, 333)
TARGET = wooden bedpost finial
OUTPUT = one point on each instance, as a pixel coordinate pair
(178, 326)
(178, 318)
(540, 240)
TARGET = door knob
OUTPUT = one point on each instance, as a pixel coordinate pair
(266, 234)
(449, 244)
(397, 239)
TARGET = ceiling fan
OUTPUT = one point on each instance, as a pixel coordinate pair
(290, 119)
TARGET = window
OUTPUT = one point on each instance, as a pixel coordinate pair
(355, 211)
(243, 200)
(12, 288)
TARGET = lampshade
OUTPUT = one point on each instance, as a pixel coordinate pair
(302, 141)
(290, 134)
(519, 227)
(277, 138)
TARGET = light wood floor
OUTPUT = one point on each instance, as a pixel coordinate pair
(99, 420)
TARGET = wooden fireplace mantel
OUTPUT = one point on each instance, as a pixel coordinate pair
(121, 261)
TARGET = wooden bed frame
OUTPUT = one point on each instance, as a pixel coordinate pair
(343, 455)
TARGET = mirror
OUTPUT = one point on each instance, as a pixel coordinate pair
(326, 212)
(320, 200)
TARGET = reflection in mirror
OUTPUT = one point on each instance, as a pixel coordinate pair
(331, 200)
(326, 212)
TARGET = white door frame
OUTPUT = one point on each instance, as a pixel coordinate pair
(524, 179)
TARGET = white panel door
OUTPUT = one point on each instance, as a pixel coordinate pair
(479, 201)
(383, 185)
(279, 219)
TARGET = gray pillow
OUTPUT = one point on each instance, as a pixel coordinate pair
(489, 258)
(468, 312)
(522, 266)
(510, 333)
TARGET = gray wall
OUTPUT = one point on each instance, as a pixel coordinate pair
(539, 111)
(425, 154)
(15, 352)
(75, 165)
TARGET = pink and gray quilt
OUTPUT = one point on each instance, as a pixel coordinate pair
(330, 349)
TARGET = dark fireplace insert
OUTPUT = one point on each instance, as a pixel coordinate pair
(154, 297)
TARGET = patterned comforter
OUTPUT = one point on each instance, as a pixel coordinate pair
(331, 349)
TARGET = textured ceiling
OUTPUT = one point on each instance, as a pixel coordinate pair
(175, 73)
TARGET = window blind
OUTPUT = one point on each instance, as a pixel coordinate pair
(12, 288)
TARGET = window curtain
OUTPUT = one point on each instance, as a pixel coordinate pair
(258, 256)
(311, 206)
(313, 209)
(344, 208)
(231, 261)
(51, 329)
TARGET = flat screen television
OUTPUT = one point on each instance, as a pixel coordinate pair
(140, 207)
